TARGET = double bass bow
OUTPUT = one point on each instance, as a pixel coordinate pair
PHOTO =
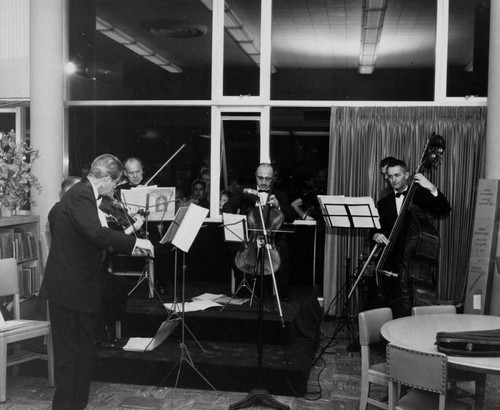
(422, 239)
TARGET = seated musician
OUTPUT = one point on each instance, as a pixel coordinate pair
(265, 176)
(402, 291)
(133, 171)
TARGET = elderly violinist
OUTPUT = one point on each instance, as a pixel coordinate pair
(72, 278)
(402, 291)
(265, 176)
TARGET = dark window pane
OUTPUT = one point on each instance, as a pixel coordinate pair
(318, 49)
(242, 47)
(140, 50)
(153, 134)
(468, 44)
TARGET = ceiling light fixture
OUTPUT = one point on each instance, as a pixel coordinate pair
(237, 31)
(371, 30)
(132, 44)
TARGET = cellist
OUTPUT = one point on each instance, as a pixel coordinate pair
(400, 291)
(264, 177)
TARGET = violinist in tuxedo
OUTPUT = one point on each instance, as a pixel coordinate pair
(133, 171)
(72, 278)
(426, 200)
(264, 177)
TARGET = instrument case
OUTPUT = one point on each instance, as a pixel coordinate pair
(479, 343)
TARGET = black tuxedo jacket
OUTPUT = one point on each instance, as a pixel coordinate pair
(73, 273)
(434, 205)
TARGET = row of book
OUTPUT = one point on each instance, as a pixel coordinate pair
(18, 243)
(29, 280)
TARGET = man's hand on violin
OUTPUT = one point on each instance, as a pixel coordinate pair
(144, 247)
(380, 238)
(139, 221)
(273, 201)
(425, 183)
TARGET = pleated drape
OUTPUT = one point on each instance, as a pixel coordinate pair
(359, 138)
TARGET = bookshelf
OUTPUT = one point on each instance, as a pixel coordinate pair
(20, 238)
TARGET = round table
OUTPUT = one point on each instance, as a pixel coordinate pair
(419, 333)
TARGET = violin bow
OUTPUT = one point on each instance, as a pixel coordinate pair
(165, 164)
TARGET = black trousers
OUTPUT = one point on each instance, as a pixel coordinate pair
(73, 340)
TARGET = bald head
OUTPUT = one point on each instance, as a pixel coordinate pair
(264, 176)
(133, 170)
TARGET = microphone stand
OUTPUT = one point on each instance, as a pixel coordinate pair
(260, 395)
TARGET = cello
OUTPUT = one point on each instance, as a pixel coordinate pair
(263, 221)
(420, 237)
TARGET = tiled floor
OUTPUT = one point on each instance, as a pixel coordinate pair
(333, 384)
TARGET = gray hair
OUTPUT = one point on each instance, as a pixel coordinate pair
(106, 165)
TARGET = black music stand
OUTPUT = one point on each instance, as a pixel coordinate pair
(347, 213)
(181, 234)
(260, 395)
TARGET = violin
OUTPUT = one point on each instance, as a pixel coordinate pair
(263, 221)
(121, 218)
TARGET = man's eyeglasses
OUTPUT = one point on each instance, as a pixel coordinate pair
(264, 179)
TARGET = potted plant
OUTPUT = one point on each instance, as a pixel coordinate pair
(16, 178)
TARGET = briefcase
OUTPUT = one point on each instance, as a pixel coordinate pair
(475, 343)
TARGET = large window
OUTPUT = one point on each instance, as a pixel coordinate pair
(153, 134)
(353, 50)
(140, 50)
(468, 46)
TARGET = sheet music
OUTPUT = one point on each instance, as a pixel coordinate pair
(234, 227)
(146, 344)
(182, 232)
(161, 205)
(349, 212)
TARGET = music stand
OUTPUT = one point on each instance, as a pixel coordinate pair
(347, 213)
(181, 234)
(236, 230)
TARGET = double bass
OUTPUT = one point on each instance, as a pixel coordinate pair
(419, 236)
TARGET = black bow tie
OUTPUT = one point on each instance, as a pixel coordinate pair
(99, 197)
(398, 194)
(262, 190)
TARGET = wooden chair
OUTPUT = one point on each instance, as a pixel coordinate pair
(426, 373)
(370, 322)
(9, 286)
(433, 310)
(455, 375)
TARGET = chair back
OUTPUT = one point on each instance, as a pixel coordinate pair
(9, 282)
(370, 322)
(433, 310)
(421, 370)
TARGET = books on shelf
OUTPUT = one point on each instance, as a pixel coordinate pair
(18, 243)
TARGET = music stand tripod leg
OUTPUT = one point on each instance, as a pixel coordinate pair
(184, 353)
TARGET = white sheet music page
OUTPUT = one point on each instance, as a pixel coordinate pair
(234, 227)
(190, 225)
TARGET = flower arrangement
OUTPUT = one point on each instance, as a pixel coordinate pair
(16, 179)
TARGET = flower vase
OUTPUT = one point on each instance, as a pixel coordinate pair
(6, 211)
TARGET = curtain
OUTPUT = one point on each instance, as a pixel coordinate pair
(359, 138)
